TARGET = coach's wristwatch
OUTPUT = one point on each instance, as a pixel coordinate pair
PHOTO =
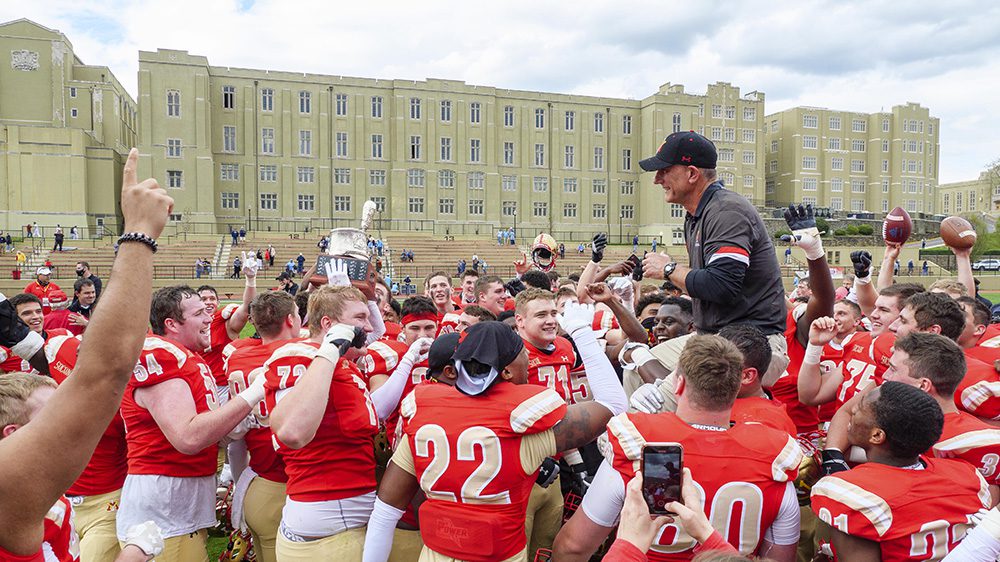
(668, 269)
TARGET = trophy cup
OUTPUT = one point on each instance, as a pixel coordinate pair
(350, 246)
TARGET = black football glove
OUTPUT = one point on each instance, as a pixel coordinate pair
(862, 261)
(547, 473)
(800, 218)
(833, 462)
(597, 247)
(15, 334)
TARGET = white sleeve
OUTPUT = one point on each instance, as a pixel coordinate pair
(381, 527)
(785, 529)
(605, 497)
(378, 324)
(981, 544)
(601, 375)
(386, 397)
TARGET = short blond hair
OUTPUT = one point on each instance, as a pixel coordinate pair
(15, 389)
(711, 367)
(950, 286)
(528, 295)
(329, 301)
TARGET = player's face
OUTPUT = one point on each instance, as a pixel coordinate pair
(904, 324)
(192, 329)
(31, 314)
(649, 312)
(210, 299)
(439, 291)
(899, 369)
(494, 298)
(469, 286)
(862, 423)
(464, 321)
(87, 295)
(886, 311)
(518, 368)
(538, 324)
(36, 400)
(675, 183)
(971, 332)
(355, 313)
(671, 322)
(561, 303)
(844, 318)
(419, 329)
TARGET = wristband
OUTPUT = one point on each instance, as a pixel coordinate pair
(813, 355)
(137, 237)
(640, 355)
(863, 280)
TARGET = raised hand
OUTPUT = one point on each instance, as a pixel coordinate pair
(862, 261)
(805, 235)
(822, 330)
(521, 265)
(598, 244)
(145, 205)
(576, 317)
(249, 265)
(336, 273)
(600, 292)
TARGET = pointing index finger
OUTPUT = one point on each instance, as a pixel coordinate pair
(131, 163)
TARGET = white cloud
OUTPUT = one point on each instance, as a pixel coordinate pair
(862, 55)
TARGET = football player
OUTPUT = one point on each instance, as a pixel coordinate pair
(227, 323)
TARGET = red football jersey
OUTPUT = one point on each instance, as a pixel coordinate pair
(578, 383)
(12, 363)
(987, 350)
(742, 472)
(392, 331)
(149, 451)
(339, 462)
(991, 334)
(604, 320)
(833, 355)
(551, 368)
(755, 409)
(979, 391)
(43, 293)
(467, 454)
(449, 322)
(881, 351)
(974, 441)
(107, 468)
(858, 367)
(382, 359)
(218, 339)
(786, 388)
(912, 514)
(243, 366)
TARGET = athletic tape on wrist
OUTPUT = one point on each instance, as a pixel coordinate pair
(813, 355)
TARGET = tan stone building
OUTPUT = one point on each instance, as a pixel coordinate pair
(981, 195)
(286, 150)
(853, 162)
(65, 128)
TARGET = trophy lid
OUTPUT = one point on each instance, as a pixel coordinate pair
(351, 242)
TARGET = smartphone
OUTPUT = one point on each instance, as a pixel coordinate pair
(661, 475)
(637, 267)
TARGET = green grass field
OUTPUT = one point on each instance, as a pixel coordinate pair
(994, 297)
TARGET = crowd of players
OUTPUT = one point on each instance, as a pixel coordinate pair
(500, 420)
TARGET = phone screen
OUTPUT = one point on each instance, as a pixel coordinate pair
(637, 263)
(661, 475)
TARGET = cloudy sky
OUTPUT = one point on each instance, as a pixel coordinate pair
(857, 56)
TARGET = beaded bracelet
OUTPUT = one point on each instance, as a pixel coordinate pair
(138, 237)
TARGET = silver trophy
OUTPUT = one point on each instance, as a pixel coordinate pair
(352, 244)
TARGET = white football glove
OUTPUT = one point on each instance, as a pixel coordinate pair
(249, 265)
(418, 351)
(577, 317)
(647, 398)
(622, 286)
(336, 273)
(253, 393)
(338, 339)
(147, 537)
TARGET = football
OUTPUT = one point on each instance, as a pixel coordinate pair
(957, 232)
(897, 226)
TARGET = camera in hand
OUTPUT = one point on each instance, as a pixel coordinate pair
(661, 475)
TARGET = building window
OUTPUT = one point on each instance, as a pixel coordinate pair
(599, 211)
(414, 108)
(376, 177)
(415, 178)
(726, 155)
(858, 166)
(626, 159)
(810, 121)
(376, 146)
(267, 140)
(476, 180)
(508, 153)
(730, 112)
(774, 146)
(569, 210)
(727, 178)
(377, 107)
(508, 183)
(446, 149)
(837, 203)
(885, 146)
(539, 118)
(833, 143)
(540, 209)
(857, 145)
(305, 102)
(307, 203)
(569, 185)
(267, 99)
(540, 184)
(569, 156)
(809, 184)
(769, 187)
(446, 179)
(416, 205)
(228, 138)
(445, 110)
(508, 208)
(857, 205)
(268, 173)
(885, 166)
(834, 123)
(676, 211)
(837, 164)
(747, 181)
(598, 158)
(677, 123)
(73, 112)
(475, 206)
(885, 125)
(749, 157)
(859, 126)
(628, 212)
(857, 186)
(307, 174)
(72, 92)
(885, 185)
(341, 145)
(717, 133)
(598, 122)
(173, 148)
(539, 155)
(173, 103)
(230, 200)
(570, 120)
(446, 206)
(626, 124)
(809, 201)
(415, 147)
(808, 162)
(175, 179)
(809, 141)
(716, 111)
(701, 110)
(628, 188)
(269, 201)
(228, 97)
(474, 152)
(749, 113)
(475, 111)
(772, 166)
(229, 172)
(342, 203)
(305, 143)
(508, 116)
(730, 134)
(749, 135)
(600, 187)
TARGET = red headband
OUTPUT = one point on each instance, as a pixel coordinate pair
(420, 316)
